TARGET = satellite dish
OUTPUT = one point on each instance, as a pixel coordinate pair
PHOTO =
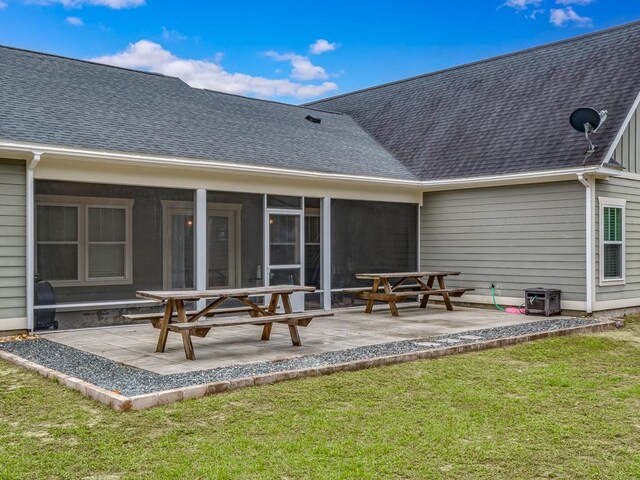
(583, 117)
(588, 120)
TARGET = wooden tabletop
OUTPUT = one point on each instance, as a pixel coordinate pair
(162, 295)
(373, 276)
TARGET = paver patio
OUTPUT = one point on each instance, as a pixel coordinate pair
(134, 345)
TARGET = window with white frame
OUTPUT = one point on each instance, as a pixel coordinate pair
(612, 240)
(83, 240)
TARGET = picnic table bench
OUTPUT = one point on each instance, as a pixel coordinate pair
(200, 322)
(156, 317)
(407, 284)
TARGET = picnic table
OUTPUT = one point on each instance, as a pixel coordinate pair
(176, 318)
(396, 287)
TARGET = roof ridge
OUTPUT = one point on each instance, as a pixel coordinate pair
(266, 100)
(485, 60)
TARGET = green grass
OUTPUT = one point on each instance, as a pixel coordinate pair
(566, 408)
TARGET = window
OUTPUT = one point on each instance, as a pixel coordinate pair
(83, 240)
(612, 241)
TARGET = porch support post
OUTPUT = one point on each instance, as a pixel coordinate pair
(30, 240)
(325, 214)
(200, 253)
(266, 273)
(418, 262)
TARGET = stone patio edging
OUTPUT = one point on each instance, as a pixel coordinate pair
(122, 403)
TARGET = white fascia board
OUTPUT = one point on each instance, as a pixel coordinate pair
(158, 161)
(25, 150)
(620, 133)
(515, 178)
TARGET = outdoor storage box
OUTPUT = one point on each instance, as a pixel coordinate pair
(542, 301)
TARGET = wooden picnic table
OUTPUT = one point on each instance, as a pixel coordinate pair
(397, 286)
(199, 322)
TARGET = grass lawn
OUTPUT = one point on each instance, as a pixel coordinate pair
(561, 408)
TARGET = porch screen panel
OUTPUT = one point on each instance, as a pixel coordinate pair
(235, 248)
(102, 243)
(371, 237)
(312, 242)
(180, 251)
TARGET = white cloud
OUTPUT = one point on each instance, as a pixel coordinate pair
(563, 16)
(574, 2)
(321, 45)
(535, 13)
(302, 68)
(150, 56)
(115, 4)
(172, 35)
(75, 21)
(3, 5)
(521, 4)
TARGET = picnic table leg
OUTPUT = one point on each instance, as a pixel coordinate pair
(392, 303)
(164, 326)
(445, 296)
(273, 306)
(293, 329)
(374, 289)
(425, 298)
(186, 334)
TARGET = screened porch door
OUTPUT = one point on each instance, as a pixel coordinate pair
(285, 257)
(222, 247)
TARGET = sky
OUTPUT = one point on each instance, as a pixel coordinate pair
(298, 51)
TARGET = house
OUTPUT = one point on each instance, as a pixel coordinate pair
(114, 181)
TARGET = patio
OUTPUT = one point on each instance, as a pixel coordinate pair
(118, 366)
(134, 345)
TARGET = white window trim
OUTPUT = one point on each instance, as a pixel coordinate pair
(612, 203)
(83, 204)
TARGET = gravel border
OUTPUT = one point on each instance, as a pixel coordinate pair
(130, 381)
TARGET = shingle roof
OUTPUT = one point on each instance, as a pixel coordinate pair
(60, 101)
(507, 114)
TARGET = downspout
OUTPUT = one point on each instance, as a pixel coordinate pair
(589, 205)
(30, 240)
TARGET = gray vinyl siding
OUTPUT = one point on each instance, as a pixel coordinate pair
(12, 239)
(628, 149)
(517, 237)
(630, 190)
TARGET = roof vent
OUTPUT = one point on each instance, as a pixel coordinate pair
(313, 119)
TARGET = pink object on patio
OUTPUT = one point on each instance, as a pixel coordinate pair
(513, 310)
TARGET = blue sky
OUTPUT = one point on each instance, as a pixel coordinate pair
(296, 51)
